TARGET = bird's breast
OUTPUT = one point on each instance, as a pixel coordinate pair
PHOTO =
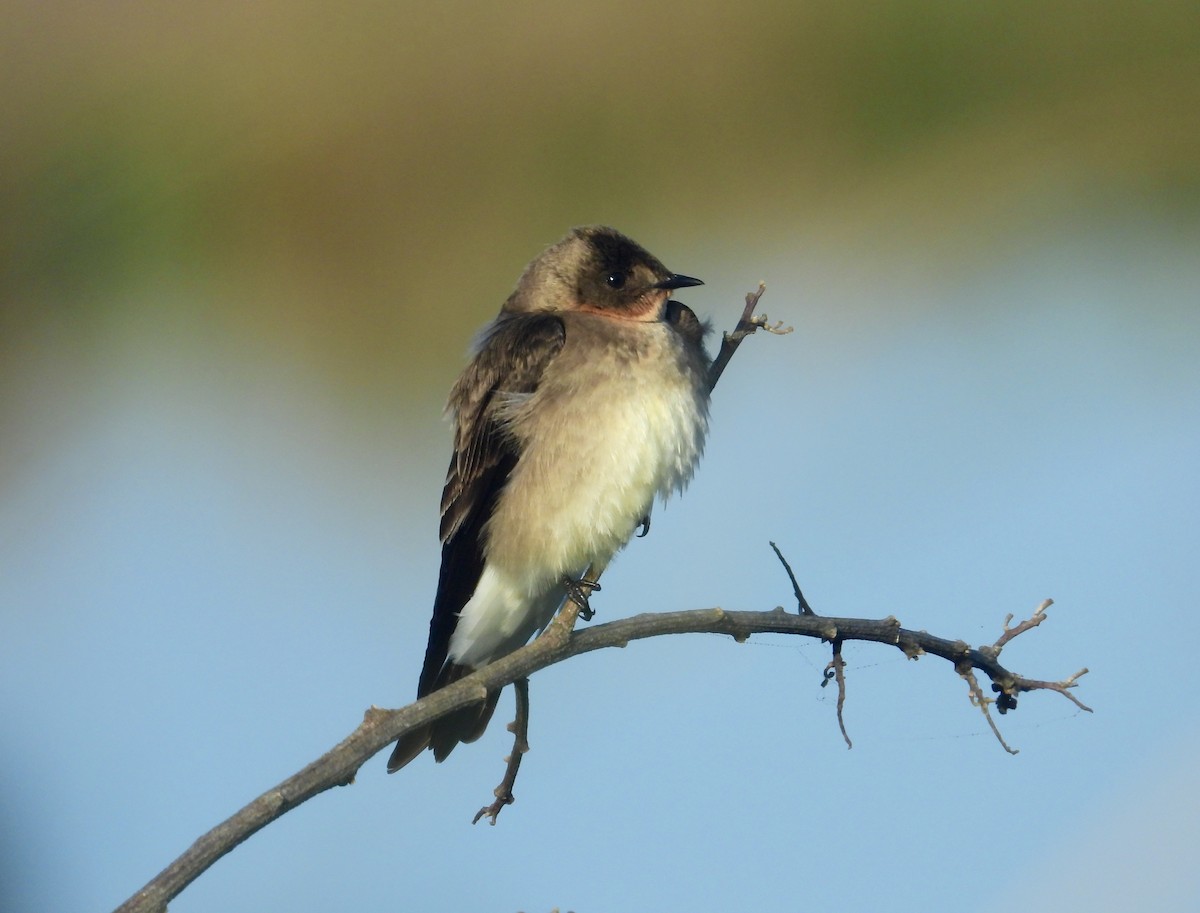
(619, 417)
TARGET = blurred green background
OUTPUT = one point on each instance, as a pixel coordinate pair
(243, 248)
(311, 178)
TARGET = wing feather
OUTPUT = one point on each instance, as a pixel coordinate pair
(510, 362)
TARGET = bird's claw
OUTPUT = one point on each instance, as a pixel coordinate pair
(577, 593)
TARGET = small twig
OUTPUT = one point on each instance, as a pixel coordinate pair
(1059, 687)
(746, 325)
(1038, 616)
(519, 727)
(836, 669)
(1008, 696)
(982, 701)
(801, 602)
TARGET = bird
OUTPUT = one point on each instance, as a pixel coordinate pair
(585, 399)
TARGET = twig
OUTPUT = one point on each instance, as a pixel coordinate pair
(746, 326)
(1038, 616)
(836, 669)
(801, 602)
(982, 701)
(1008, 699)
(519, 727)
(1058, 687)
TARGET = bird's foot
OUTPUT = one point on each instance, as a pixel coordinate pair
(578, 592)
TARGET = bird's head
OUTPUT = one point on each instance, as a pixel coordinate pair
(598, 269)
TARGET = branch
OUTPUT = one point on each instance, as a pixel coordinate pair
(747, 325)
(380, 728)
(836, 670)
(801, 602)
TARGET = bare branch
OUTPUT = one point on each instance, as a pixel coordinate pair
(1008, 700)
(380, 728)
(982, 701)
(1060, 687)
(801, 602)
(746, 326)
(836, 669)
(1038, 616)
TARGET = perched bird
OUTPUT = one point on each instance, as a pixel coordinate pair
(585, 398)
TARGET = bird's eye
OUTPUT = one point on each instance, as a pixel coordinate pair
(615, 280)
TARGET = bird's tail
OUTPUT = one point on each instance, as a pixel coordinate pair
(465, 725)
(408, 747)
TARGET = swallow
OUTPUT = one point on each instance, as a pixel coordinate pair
(586, 398)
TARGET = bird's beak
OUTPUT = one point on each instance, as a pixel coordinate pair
(675, 281)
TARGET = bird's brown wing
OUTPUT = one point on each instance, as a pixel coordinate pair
(510, 362)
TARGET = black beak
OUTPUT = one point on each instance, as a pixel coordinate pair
(675, 281)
